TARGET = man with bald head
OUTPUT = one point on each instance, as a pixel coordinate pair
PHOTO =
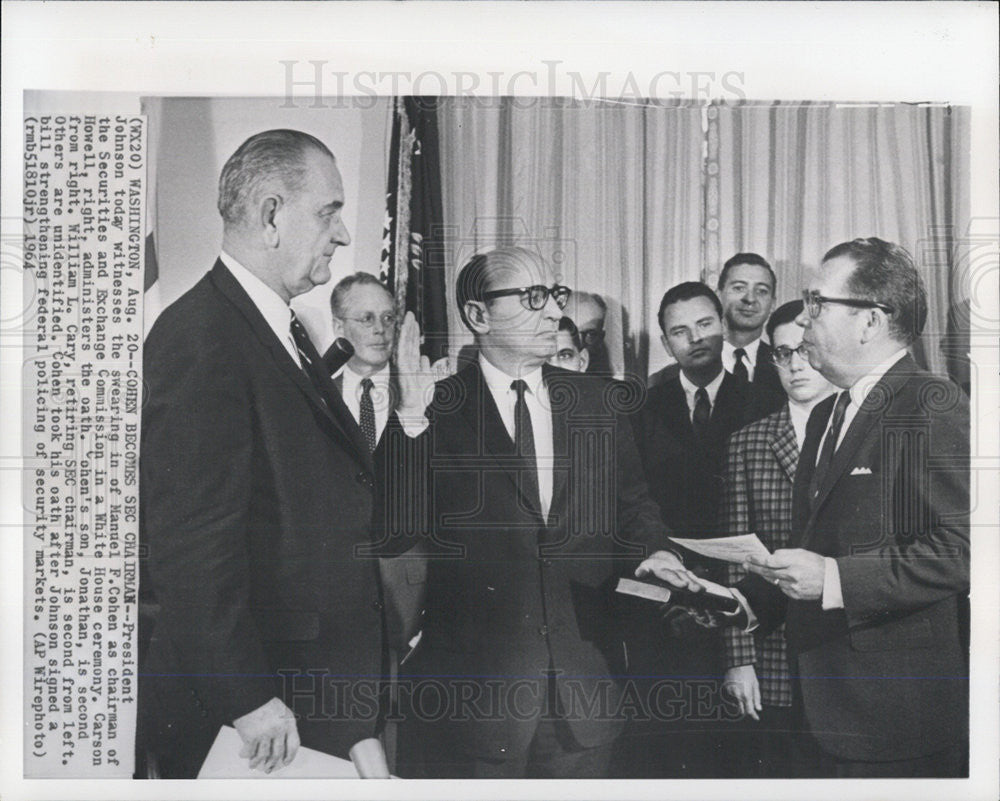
(536, 504)
(589, 311)
(256, 489)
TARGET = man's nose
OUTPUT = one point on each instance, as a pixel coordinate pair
(803, 320)
(340, 234)
(551, 309)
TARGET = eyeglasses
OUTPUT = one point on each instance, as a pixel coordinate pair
(814, 303)
(782, 356)
(591, 337)
(388, 319)
(534, 297)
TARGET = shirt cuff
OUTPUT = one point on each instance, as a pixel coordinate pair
(752, 621)
(833, 596)
(413, 425)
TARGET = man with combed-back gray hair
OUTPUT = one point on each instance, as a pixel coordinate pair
(256, 490)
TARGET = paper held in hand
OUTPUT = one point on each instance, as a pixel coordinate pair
(728, 549)
(224, 762)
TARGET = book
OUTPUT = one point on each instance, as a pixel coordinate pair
(714, 598)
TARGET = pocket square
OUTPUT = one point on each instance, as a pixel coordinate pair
(861, 471)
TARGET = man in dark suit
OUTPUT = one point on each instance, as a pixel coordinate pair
(871, 596)
(257, 489)
(759, 467)
(682, 431)
(746, 289)
(536, 505)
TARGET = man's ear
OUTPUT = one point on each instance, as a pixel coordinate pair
(338, 327)
(876, 323)
(267, 213)
(478, 316)
(666, 345)
(584, 360)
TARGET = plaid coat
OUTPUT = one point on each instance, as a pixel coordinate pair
(757, 498)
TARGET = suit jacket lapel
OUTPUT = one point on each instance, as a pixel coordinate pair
(868, 415)
(783, 444)
(483, 418)
(727, 409)
(231, 288)
(560, 443)
(675, 411)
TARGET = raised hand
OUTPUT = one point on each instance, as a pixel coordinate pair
(415, 374)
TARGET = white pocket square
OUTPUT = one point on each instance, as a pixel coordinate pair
(861, 471)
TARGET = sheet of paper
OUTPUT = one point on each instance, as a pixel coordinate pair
(728, 549)
(224, 762)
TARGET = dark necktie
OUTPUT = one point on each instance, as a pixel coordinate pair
(368, 414)
(740, 372)
(524, 441)
(312, 365)
(830, 443)
(702, 413)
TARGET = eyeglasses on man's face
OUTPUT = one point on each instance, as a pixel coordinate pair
(782, 355)
(388, 319)
(534, 297)
(814, 302)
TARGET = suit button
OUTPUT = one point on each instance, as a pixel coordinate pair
(364, 479)
(543, 630)
(377, 606)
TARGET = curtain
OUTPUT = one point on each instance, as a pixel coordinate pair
(630, 199)
(608, 192)
(797, 178)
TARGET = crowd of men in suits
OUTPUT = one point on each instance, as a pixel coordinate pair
(403, 545)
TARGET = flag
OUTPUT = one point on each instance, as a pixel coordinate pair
(413, 257)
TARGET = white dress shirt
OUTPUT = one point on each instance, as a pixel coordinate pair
(691, 389)
(381, 397)
(537, 401)
(277, 314)
(833, 594)
(750, 360)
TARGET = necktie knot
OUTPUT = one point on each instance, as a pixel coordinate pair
(367, 385)
(520, 387)
(739, 353)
